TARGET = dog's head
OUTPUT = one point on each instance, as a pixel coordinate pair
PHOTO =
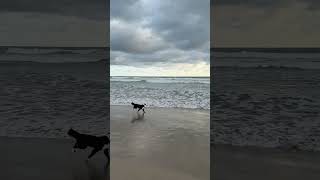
(73, 133)
(132, 103)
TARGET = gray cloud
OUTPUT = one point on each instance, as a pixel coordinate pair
(310, 4)
(183, 22)
(253, 3)
(263, 23)
(131, 38)
(151, 32)
(130, 10)
(97, 9)
(54, 23)
(160, 57)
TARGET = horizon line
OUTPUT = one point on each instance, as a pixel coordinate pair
(163, 76)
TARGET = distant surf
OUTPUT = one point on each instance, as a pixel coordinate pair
(177, 92)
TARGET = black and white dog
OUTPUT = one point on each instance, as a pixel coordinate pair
(138, 106)
(96, 142)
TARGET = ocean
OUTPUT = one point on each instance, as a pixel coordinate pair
(46, 91)
(266, 98)
(169, 92)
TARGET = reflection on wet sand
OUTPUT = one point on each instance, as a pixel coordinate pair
(96, 173)
(136, 117)
(160, 144)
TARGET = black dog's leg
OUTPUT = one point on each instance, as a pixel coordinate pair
(106, 152)
(139, 109)
(93, 152)
(143, 110)
(75, 146)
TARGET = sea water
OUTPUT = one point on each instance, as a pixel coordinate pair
(176, 92)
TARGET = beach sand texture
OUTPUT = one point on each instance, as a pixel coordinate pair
(157, 146)
(250, 163)
(160, 144)
(51, 159)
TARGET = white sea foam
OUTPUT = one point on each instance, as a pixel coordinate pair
(161, 91)
(266, 106)
(262, 59)
(195, 80)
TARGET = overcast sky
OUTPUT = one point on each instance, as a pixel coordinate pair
(160, 38)
(265, 23)
(54, 23)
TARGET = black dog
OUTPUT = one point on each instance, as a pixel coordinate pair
(85, 140)
(138, 106)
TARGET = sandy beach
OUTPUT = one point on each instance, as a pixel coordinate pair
(160, 144)
(156, 145)
(51, 159)
(230, 162)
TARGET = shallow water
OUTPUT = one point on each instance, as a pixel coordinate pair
(161, 91)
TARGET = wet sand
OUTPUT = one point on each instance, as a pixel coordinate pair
(229, 163)
(50, 159)
(161, 144)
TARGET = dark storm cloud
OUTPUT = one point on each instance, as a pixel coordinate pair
(159, 31)
(82, 8)
(183, 22)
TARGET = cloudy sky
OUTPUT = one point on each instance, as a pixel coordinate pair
(160, 38)
(265, 23)
(54, 23)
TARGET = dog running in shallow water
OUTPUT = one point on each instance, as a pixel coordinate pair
(138, 106)
(96, 142)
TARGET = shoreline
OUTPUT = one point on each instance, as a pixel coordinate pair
(212, 143)
(171, 108)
